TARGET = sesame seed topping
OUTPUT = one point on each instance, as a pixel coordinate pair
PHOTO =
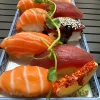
(69, 21)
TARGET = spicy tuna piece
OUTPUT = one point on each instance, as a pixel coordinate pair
(71, 83)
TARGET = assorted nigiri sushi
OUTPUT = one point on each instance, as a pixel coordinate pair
(32, 20)
(31, 81)
(74, 66)
(27, 81)
(25, 44)
(35, 20)
(24, 5)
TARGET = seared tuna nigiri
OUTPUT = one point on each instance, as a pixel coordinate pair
(27, 4)
(28, 81)
(67, 56)
(25, 44)
(32, 20)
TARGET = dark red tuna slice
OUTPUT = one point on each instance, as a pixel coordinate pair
(65, 9)
(67, 56)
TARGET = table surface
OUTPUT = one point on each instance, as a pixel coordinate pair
(90, 8)
(7, 12)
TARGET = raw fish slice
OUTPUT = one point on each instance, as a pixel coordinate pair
(67, 56)
(32, 20)
(27, 81)
(65, 9)
(25, 44)
(27, 4)
(71, 83)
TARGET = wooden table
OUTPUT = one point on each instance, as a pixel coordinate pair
(7, 12)
(91, 10)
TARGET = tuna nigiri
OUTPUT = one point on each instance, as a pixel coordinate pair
(65, 9)
(32, 20)
(25, 44)
(67, 56)
(28, 81)
(27, 4)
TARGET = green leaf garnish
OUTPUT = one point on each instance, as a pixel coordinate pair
(48, 95)
(46, 1)
(38, 1)
(51, 7)
(57, 21)
(50, 13)
(49, 23)
(59, 42)
(52, 74)
(51, 56)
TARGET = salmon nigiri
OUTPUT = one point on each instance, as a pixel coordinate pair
(32, 20)
(27, 4)
(25, 44)
(28, 81)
